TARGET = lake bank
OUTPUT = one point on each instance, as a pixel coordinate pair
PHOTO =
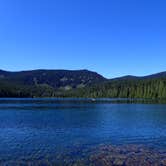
(101, 155)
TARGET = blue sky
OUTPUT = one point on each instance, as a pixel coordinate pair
(112, 37)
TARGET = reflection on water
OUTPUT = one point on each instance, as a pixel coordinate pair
(41, 128)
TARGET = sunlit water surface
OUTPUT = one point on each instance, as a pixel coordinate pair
(36, 128)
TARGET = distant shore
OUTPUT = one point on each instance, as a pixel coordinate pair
(92, 100)
(80, 83)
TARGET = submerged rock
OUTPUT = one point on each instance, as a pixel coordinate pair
(130, 155)
(103, 155)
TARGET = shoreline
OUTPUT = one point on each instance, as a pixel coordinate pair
(100, 155)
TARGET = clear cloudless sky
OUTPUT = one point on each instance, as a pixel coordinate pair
(111, 37)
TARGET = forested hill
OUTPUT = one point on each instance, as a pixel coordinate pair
(128, 87)
(80, 83)
(45, 83)
(67, 79)
(152, 76)
(151, 86)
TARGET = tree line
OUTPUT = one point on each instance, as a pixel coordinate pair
(125, 88)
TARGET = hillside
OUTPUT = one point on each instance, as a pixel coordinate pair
(79, 83)
(68, 79)
(45, 83)
(152, 76)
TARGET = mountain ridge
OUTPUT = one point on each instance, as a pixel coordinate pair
(155, 75)
(54, 78)
(80, 83)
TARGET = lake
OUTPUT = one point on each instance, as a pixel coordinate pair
(52, 130)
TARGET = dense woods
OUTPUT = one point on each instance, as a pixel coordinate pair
(148, 88)
(89, 84)
(153, 88)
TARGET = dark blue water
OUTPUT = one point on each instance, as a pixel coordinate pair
(40, 127)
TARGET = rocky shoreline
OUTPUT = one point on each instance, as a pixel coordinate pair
(102, 155)
(128, 155)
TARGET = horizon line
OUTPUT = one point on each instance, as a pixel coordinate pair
(48, 69)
